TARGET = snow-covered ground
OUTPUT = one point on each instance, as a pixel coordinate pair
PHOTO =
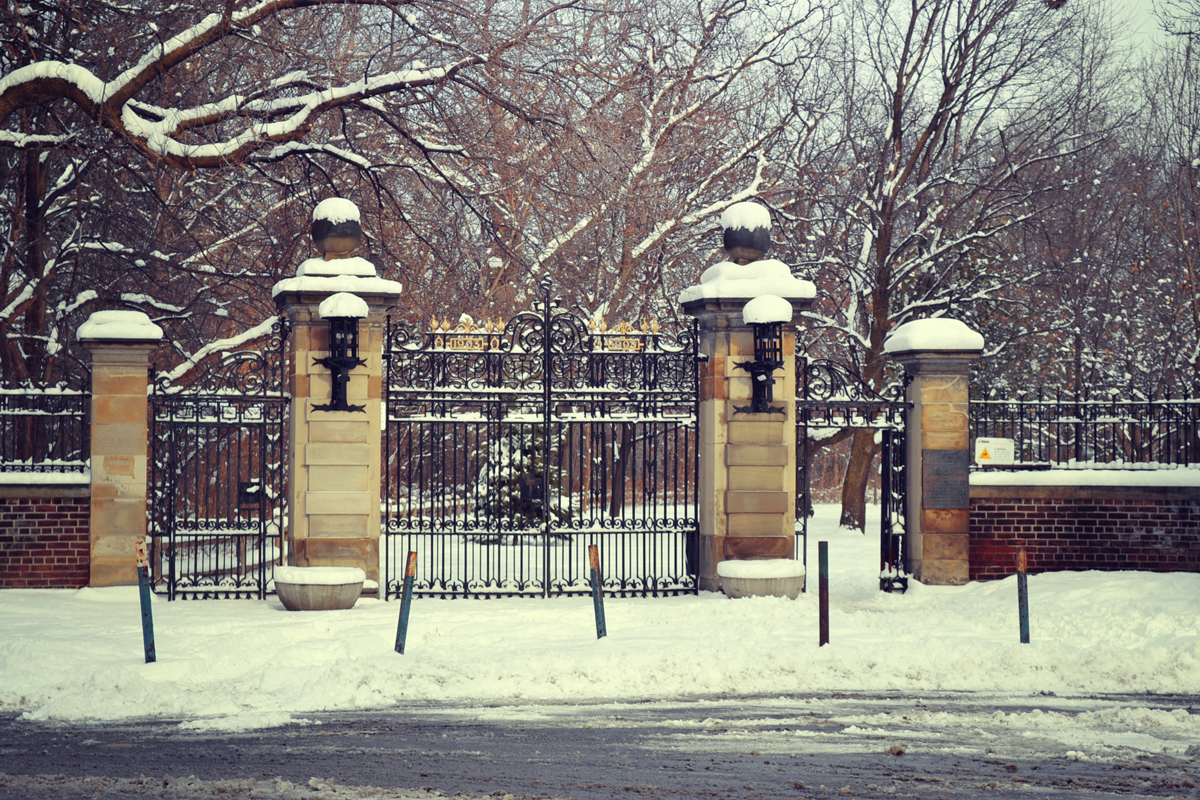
(76, 655)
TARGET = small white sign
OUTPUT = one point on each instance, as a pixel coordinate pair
(994, 452)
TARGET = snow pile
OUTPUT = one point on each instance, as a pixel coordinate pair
(750, 216)
(933, 334)
(343, 304)
(319, 267)
(235, 665)
(339, 282)
(767, 276)
(319, 576)
(127, 326)
(761, 568)
(767, 308)
(336, 210)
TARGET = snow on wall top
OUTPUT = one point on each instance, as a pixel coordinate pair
(1185, 476)
(130, 326)
(336, 210)
(745, 215)
(343, 304)
(337, 283)
(933, 334)
(765, 309)
(337, 266)
(768, 276)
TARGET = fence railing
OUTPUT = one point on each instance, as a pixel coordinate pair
(44, 430)
(1065, 432)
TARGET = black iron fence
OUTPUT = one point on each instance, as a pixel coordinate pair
(1080, 432)
(510, 448)
(44, 430)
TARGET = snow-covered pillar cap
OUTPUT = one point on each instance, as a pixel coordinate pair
(119, 326)
(767, 309)
(747, 232)
(343, 304)
(940, 335)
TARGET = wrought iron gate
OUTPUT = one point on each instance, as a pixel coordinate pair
(218, 499)
(509, 449)
(830, 397)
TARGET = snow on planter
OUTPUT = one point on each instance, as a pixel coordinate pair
(770, 577)
(766, 309)
(318, 588)
(939, 334)
(343, 304)
(127, 326)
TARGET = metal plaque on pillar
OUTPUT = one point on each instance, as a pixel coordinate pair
(945, 479)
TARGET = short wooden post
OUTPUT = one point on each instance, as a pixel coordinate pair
(410, 574)
(1023, 595)
(823, 591)
(597, 591)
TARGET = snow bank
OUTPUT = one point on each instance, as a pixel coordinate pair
(933, 334)
(77, 655)
(128, 326)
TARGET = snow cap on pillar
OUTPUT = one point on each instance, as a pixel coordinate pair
(119, 326)
(343, 304)
(939, 335)
(766, 309)
(747, 237)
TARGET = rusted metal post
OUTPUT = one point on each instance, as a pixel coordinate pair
(143, 568)
(597, 591)
(410, 574)
(823, 591)
(1023, 595)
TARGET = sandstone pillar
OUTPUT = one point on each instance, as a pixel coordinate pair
(120, 343)
(936, 355)
(335, 455)
(747, 460)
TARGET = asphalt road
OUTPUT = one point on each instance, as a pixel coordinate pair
(950, 746)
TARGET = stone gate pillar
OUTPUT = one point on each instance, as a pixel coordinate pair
(334, 453)
(120, 343)
(936, 355)
(747, 460)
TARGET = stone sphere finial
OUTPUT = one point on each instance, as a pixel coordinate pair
(336, 228)
(747, 232)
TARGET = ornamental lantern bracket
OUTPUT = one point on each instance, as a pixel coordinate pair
(343, 311)
(766, 315)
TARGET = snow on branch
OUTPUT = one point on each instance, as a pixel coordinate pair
(221, 346)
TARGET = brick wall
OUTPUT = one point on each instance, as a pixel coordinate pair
(1084, 527)
(44, 537)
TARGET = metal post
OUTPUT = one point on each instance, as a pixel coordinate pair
(410, 573)
(823, 591)
(1022, 595)
(597, 591)
(143, 567)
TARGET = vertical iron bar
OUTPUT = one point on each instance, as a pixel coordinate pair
(547, 367)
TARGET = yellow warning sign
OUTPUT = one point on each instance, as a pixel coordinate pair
(984, 455)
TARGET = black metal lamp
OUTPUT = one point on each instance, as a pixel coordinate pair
(343, 311)
(766, 315)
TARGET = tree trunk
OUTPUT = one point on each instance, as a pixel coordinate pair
(858, 474)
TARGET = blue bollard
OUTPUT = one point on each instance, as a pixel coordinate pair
(410, 574)
(597, 591)
(143, 568)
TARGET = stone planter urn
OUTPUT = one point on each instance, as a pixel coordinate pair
(767, 577)
(318, 588)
